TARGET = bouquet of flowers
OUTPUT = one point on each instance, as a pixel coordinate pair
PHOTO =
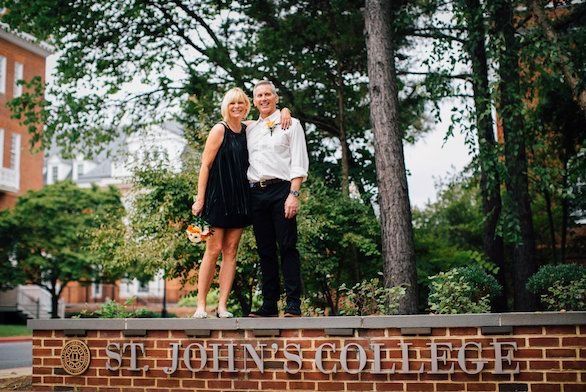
(198, 231)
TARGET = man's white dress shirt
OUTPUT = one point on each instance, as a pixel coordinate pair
(281, 155)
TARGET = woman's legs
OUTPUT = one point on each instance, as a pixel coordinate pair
(230, 243)
(207, 269)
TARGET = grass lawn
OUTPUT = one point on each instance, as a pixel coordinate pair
(14, 330)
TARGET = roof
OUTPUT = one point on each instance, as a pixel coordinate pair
(25, 41)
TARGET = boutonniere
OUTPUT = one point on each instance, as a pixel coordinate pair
(271, 126)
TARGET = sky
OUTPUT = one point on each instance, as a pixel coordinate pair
(430, 159)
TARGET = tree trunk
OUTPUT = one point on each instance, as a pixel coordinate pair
(343, 141)
(489, 178)
(551, 225)
(510, 110)
(395, 211)
(54, 299)
(567, 68)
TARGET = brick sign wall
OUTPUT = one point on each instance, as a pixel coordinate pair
(508, 352)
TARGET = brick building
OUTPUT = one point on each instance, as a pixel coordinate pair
(21, 57)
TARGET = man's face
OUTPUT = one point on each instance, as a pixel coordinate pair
(265, 100)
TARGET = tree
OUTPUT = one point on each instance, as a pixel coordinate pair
(396, 227)
(49, 240)
(510, 106)
(475, 47)
(570, 72)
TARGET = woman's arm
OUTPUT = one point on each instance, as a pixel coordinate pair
(285, 118)
(210, 151)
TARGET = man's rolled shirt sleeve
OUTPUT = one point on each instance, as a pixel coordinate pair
(298, 148)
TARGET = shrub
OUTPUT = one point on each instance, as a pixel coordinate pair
(462, 290)
(369, 297)
(560, 287)
(112, 309)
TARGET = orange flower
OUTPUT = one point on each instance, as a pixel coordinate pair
(271, 126)
(197, 234)
(193, 229)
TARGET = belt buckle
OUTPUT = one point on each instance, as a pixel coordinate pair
(262, 184)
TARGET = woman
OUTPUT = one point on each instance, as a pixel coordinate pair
(222, 197)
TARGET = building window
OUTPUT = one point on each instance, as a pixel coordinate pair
(79, 170)
(2, 75)
(18, 75)
(143, 287)
(1, 147)
(97, 290)
(54, 174)
(15, 151)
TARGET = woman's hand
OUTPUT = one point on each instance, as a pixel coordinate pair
(197, 207)
(285, 118)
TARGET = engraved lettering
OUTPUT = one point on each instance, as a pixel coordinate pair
(435, 358)
(319, 355)
(113, 355)
(361, 358)
(292, 357)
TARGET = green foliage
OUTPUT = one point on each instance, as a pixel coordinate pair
(448, 232)
(463, 290)
(47, 235)
(566, 297)
(154, 237)
(112, 309)
(339, 242)
(560, 287)
(370, 297)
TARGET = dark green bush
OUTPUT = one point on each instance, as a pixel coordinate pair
(560, 287)
(463, 290)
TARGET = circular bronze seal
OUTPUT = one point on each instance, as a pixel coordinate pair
(75, 357)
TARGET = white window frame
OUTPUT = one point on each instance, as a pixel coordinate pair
(15, 152)
(18, 75)
(54, 174)
(1, 147)
(97, 291)
(2, 75)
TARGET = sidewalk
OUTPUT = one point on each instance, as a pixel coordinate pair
(15, 372)
(17, 379)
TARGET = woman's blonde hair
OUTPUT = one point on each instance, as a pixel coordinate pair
(234, 95)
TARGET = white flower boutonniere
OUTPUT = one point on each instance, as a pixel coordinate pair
(271, 126)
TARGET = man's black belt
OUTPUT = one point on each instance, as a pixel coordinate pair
(264, 183)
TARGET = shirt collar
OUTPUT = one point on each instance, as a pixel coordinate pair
(276, 116)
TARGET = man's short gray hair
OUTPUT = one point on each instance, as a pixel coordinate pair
(264, 82)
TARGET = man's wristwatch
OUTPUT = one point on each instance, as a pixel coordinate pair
(294, 193)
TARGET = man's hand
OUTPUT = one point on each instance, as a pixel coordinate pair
(291, 207)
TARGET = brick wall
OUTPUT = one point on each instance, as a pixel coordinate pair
(31, 164)
(550, 354)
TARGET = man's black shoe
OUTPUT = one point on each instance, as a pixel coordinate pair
(292, 311)
(262, 312)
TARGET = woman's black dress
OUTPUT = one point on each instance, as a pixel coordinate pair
(226, 198)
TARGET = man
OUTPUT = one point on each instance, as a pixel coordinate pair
(278, 165)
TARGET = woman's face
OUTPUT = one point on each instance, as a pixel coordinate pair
(237, 109)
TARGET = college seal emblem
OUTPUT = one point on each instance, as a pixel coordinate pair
(75, 357)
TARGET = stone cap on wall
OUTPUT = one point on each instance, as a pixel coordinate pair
(339, 322)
